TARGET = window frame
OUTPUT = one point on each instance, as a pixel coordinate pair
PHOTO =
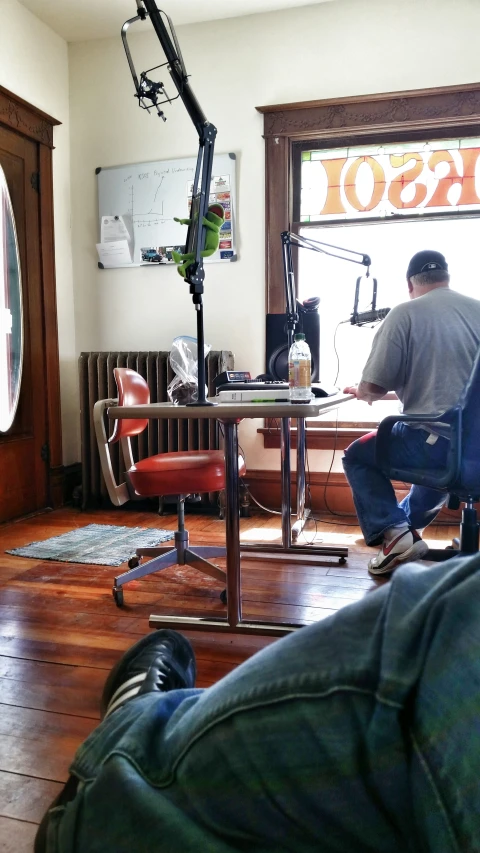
(439, 113)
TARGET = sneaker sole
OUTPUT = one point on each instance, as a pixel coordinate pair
(416, 552)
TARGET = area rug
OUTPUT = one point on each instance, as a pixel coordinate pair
(101, 544)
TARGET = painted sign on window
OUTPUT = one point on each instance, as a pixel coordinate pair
(387, 180)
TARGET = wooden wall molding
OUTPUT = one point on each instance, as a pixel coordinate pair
(52, 359)
(21, 116)
(265, 485)
(319, 438)
(327, 491)
(448, 106)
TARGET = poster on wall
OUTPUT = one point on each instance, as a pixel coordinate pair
(220, 193)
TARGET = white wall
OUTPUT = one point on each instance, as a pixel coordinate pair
(330, 50)
(34, 65)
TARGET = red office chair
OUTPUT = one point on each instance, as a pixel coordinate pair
(181, 473)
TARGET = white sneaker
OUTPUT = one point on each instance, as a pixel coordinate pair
(405, 547)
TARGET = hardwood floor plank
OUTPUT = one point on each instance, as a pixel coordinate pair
(65, 700)
(26, 798)
(16, 836)
(60, 633)
(38, 743)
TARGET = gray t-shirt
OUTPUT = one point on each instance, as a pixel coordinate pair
(424, 350)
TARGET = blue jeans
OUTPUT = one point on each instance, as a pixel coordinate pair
(373, 495)
(359, 733)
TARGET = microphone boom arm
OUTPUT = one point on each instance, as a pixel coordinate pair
(147, 89)
(291, 238)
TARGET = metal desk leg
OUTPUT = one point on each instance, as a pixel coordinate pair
(232, 525)
(288, 549)
(286, 487)
(302, 513)
(234, 622)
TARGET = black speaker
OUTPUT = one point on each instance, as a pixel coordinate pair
(276, 360)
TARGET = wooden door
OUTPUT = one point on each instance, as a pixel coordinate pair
(24, 447)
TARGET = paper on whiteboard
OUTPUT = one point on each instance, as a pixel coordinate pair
(114, 253)
(112, 229)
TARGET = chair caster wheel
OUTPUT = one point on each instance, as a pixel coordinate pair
(342, 561)
(117, 593)
(133, 562)
(223, 596)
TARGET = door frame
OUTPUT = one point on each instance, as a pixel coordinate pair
(26, 120)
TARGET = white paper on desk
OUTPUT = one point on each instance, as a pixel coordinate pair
(115, 253)
(113, 229)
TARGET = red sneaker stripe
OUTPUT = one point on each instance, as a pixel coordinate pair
(388, 548)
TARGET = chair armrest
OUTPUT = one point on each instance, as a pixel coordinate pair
(452, 418)
(118, 494)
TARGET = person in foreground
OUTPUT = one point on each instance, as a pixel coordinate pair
(355, 734)
(424, 351)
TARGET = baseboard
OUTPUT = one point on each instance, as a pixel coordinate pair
(327, 492)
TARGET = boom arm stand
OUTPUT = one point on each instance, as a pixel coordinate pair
(147, 90)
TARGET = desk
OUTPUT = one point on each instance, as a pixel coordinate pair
(230, 415)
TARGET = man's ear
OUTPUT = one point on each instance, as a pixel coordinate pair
(409, 285)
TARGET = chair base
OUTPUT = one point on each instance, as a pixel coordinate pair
(439, 555)
(468, 543)
(165, 556)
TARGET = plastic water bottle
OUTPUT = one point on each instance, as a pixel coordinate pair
(299, 370)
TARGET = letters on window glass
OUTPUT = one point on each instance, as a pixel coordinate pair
(390, 180)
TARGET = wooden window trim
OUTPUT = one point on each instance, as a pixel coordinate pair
(438, 113)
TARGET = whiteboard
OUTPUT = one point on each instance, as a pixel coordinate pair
(146, 197)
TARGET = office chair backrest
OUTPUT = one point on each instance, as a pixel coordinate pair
(132, 391)
(470, 448)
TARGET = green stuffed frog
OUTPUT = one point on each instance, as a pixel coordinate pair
(213, 221)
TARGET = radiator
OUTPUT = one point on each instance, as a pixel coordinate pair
(97, 383)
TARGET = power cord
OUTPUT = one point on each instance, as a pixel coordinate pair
(335, 440)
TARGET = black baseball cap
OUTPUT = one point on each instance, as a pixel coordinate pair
(425, 261)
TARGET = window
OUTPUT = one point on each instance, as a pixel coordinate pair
(376, 198)
(385, 175)
(390, 246)
(11, 321)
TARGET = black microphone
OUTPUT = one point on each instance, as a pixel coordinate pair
(369, 316)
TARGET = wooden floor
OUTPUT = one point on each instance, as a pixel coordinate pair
(61, 632)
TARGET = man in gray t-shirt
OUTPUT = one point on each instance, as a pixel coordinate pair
(423, 351)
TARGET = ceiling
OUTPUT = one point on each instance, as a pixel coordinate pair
(81, 20)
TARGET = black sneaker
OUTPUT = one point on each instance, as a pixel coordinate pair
(163, 660)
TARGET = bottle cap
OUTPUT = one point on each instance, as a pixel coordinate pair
(300, 336)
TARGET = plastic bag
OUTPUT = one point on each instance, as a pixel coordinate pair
(183, 388)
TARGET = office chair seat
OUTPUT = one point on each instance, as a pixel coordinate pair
(182, 472)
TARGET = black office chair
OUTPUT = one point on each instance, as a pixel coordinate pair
(461, 476)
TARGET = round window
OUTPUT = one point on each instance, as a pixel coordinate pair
(11, 314)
